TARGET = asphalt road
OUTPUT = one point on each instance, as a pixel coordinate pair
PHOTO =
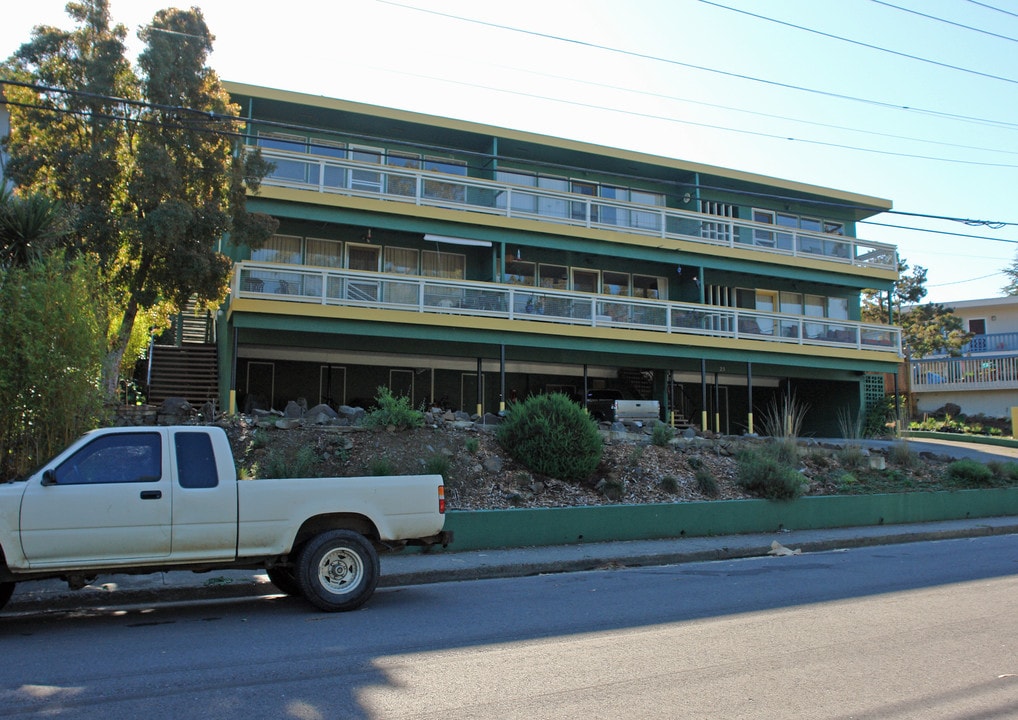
(919, 630)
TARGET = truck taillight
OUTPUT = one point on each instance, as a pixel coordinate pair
(441, 499)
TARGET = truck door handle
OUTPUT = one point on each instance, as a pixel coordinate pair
(151, 494)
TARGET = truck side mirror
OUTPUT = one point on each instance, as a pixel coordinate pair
(49, 478)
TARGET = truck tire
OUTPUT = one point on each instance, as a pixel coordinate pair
(338, 570)
(284, 579)
(6, 590)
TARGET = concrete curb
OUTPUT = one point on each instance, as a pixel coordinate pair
(423, 568)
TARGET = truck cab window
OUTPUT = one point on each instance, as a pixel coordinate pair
(120, 458)
(196, 461)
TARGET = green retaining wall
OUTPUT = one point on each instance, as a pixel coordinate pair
(489, 529)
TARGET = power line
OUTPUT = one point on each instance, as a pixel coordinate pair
(860, 43)
(991, 7)
(755, 113)
(703, 68)
(945, 21)
(693, 123)
(217, 117)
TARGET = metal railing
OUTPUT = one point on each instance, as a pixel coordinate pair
(433, 189)
(990, 343)
(531, 304)
(971, 373)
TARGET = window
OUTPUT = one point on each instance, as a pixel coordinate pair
(290, 170)
(518, 272)
(331, 175)
(443, 265)
(436, 189)
(196, 461)
(121, 458)
(579, 209)
(366, 180)
(402, 261)
(764, 238)
(279, 249)
(402, 184)
(586, 280)
(609, 214)
(646, 220)
(324, 253)
(522, 201)
(552, 206)
(363, 257)
(786, 241)
(555, 277)
(614, 283)
(648, 286)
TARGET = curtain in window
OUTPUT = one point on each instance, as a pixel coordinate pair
(400, 260)
(326, 253)
(279, 249)
(443, 265)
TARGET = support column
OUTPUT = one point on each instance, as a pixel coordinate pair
(717, 404)
(233, 375)
(501, 380)
(703, 394)
(749, 392)
(480, 387)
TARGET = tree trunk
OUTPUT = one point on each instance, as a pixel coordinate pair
(115, 355)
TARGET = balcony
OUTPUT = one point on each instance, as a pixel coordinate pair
(965, 374)
(434, 296)
(994, 343)
(454, 192)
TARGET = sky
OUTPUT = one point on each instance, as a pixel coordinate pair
(910, 100)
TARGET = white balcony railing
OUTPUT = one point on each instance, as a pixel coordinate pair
(432, 189)
(965, 374)
(531, 304)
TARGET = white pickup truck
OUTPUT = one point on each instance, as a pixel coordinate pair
(143, 500)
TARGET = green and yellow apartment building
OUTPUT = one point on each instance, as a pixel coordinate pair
(469, 266)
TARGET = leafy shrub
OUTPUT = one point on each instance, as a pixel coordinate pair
(661, 435)
(473, 445)
(437, 465)
(278, 465)
(901, 454)
(381, 466)
(613, 489)
(851, 457)
(551, 435)
(970, 472)
(1006, 471)
(764, 474)
(391, 411)
(669, 484)
(706, 483)
(847, 482)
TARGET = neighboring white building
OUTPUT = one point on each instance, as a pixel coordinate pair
(984, 379)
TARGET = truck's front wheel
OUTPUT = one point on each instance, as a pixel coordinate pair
(6, 590)
(338, 570)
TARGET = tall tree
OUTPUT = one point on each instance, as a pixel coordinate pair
(146, 159)
(925, 328)
(1012, 275)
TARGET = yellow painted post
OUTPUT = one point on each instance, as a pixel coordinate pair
(233, 402)
(1014, 419)
(703, 420)
(750, 423)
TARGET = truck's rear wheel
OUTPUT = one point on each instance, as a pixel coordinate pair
(338, 570)
(284, 579)
(6, 590)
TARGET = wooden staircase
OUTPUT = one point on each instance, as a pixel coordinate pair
(185, 362)
(190, 371)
